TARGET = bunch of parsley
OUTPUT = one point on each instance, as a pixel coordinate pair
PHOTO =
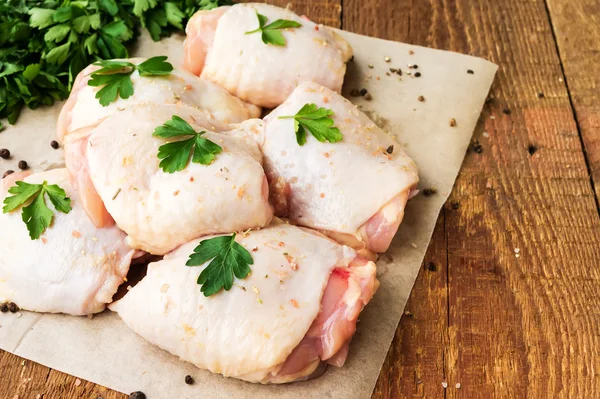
(45, 44)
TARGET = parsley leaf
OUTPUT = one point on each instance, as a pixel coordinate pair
(115, 77)
(37, 216)
(155, 66)
(271, 34)
(229, 259)
(317, 121)
(176, 155)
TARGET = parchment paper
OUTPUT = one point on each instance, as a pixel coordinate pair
(103, 350)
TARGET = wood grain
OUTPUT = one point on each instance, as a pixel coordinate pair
(498, 324)
(576, 25)
(520, 325)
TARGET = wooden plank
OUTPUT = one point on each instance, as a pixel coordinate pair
(526, 325)
(414, 366)
(28, 381)
(576, 26)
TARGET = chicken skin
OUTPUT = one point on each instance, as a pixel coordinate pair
(117, 170)
(82, 109)
(73, 268)
(294, 313)
(218, 49)
(354, 190)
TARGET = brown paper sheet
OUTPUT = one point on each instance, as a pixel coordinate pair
(103, 350)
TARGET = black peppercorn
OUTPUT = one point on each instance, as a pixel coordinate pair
(417, 74)
(4, 307)
(4, 153)
(470, 71)
(189, 380)
(23, 165)
(8, 172)
(390, 149)
(455, 205)
(54, 144)
(137, 395)
(363, 92)
(506, 111)
(429, 191)
(532, 149)
(13, 308)
(431, 267)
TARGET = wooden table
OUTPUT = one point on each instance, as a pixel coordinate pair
(507, 303)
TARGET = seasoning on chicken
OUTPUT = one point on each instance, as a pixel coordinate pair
(218, 49)
(116, 167)
(83, 109)
(295, 313)
(354, 190)
(73, 268)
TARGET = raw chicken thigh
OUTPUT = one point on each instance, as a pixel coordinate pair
(354, 190)
(116, 167)
(82, 109)
(295, 312)
(72, 268)
(217, 48)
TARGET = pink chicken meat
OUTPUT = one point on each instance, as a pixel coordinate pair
(218, 49)
(354, 190)
(295, 313)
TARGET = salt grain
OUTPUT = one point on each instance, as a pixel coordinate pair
(444, 384)
(457, 385)
(413, 245)
(77, 382)
(486, 134)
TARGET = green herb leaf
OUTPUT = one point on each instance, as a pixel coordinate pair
(317, 121)
(41, 18)
(155, 66)
(115, 76)
(229, 259)
(175, 156)
(271, 34)
(37, 216)
(57, 33)
(58, 55)
(139, 6)
(115, 85)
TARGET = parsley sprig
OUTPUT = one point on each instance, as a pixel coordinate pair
(271, 34)
(317, 121)
(176, 155)
(229, 259)
(37, 216)
(45, 44)
(115, 77)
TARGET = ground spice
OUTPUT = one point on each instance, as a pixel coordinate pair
(452, 122)
(541, 94)
(8, 172)
(470, 71)
(189, 380)
(387, 59)
(23, 165)
(4, 153)
(54, 144)
(506, 111)
(354, 93)
(368, 97)
(4, 307)
(421, 98)
(137, 395)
